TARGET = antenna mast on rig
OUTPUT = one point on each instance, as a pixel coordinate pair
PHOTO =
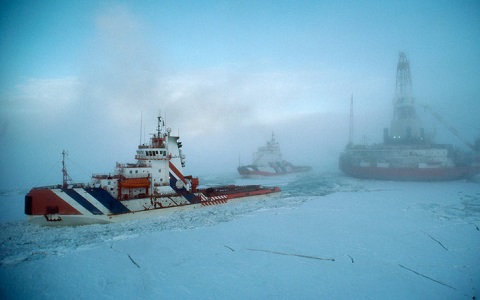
(350, 134)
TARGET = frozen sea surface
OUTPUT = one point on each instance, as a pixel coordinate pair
(325, 236)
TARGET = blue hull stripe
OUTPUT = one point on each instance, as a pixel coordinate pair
(183, 191)
(82, 201)
(107, 200)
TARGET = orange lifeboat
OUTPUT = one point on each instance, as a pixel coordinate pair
(135, 183)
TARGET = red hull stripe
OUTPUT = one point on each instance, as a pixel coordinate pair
(45, 201)
(176, 172)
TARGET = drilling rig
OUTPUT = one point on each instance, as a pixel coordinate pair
(405, 153)
(405, 127)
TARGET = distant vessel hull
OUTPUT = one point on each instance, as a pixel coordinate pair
(268, 161)
(253, 170)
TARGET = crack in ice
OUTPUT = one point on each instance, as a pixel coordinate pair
(292, 254)
(424, 276)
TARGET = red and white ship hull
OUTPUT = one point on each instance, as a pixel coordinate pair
(83, 205)
(155, 184)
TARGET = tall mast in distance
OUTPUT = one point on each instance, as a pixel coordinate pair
(350, 133)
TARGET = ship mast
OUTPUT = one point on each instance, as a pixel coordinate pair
(141, 124)
(66, 177)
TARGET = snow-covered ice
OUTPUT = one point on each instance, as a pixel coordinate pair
(325, 236)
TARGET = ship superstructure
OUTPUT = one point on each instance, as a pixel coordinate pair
(268, 161)
(153, 184)
(406, 152)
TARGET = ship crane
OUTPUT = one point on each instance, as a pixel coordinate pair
(449, 127)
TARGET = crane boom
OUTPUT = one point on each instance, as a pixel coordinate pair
(449, 127)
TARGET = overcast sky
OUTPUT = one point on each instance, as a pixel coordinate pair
(78, 75)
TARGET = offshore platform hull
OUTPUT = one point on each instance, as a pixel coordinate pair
(408, 174)
(408, 163)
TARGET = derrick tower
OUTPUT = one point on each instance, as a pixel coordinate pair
(405, 127)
